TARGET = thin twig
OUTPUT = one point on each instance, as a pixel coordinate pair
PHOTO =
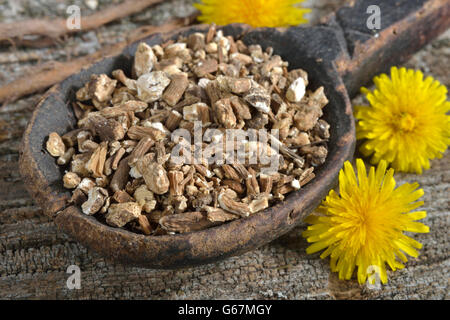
(58, 27)
(46, 75)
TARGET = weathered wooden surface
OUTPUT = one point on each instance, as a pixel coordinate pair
(34, 256)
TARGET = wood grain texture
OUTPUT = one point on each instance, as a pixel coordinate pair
(58, 28)
(34, 255)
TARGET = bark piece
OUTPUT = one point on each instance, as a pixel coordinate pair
(266, 183)
(202, 199)
(318, 99)
(238, 85)
(139, 132)
(96, 163)
(307, 176)
(315, 154)
(185, 222)
(241, 58)
(123, 108)
(122, 196)
(78, 164)
(234, 185)
(240, 108)
(259, 204)
(196, 41)
(236, 207)
(107, 129)
(204, 67)
(116, 158)
(252, 183)
(145, 225)
(211, 33)
(173, 120)
(78, 197)
(86, 185)
(259, 98)
(129, 83)
(120, 177)
(175, 90)
(230, 173)
(140, 150)
(214, 92)
(175, 179)
(296, 74)
(197, 112)
(70, 138)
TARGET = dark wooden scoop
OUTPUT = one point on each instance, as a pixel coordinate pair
(341, 55)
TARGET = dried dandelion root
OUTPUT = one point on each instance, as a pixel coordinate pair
(120, 161)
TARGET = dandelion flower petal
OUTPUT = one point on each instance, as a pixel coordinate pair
(406, 123)
(257, 13)
(364, 230)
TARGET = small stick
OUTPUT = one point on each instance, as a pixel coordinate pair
(57, 28)
(54, 72)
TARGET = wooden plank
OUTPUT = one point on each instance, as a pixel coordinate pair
(34, 255)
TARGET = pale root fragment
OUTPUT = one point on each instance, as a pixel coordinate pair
(101, 87)
(145, 198)
(296, 90)
(129, 83)
(259, 204)
(123, 142)
(119, 214)
(71, 180)
(150, 86)
(65, 158)
(144, 60)
(258, 98)
(95, 201)
(55, 145)
(219, 215)
(155, 176)
(86, 185)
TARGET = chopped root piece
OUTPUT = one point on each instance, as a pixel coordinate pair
(119, 214)
(200, 131)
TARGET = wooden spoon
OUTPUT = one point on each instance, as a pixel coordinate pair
(341, 55)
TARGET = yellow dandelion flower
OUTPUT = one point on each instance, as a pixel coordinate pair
(257, 13)
(406, 123)
(363, 226)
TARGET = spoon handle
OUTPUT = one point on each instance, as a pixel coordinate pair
(376, 35)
